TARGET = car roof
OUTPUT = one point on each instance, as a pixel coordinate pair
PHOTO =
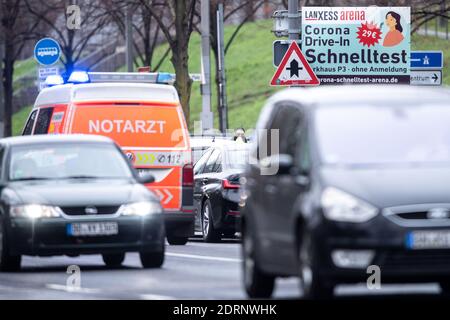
(231, 145)
(389, 95)
(60, 138)
(68, 93)
(206, 141)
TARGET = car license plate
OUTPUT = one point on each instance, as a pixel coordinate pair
(428, 240)
(92, 229)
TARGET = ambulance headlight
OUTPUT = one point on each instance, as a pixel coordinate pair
(142, 209)
(79, 77)
(34, 211)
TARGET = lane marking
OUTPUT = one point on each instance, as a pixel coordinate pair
(155, 297)
(194, 256)
(65, 288)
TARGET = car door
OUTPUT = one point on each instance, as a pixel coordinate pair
(198, 191)
(284, 200)
(269, 205)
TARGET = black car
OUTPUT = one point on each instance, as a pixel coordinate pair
(216, 190)
(360, 180)
(72, 195)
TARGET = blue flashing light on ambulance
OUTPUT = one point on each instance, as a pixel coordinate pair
(143, 114)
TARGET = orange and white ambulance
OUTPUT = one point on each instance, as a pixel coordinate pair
(143, 116)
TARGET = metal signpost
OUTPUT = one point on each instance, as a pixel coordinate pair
(207, 115)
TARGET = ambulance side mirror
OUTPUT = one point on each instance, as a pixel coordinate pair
(146, 178)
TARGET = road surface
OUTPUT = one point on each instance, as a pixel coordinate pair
(195, 271)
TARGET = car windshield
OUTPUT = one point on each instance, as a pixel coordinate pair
(67, 161)
(236, 157)
(381, 135)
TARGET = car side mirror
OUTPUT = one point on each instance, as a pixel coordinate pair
(146, 178)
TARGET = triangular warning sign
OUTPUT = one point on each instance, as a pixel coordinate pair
(294, 70)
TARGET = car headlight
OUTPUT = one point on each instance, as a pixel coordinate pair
(34, 211)
(340, 206)
(143, 208)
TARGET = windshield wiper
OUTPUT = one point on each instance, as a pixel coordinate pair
(80, 177)
(90, 177)
(32, 179)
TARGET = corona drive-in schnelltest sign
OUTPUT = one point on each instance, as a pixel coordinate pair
(357, 44)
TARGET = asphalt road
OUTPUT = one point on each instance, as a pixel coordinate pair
(195, 271)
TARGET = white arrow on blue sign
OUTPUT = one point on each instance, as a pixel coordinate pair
(47, 52)
(427, 59)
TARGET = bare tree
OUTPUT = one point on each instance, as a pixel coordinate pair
(73, 42)
(16, 28)
(176, 21)
(147, 32)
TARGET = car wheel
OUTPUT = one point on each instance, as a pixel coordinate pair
(257, 284)
(177, 241)
(312, 285)
(8, 262)
(113, 260)
(210, 234)
(152, 259)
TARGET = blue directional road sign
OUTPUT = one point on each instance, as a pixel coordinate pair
(427, 59)
(47, 52)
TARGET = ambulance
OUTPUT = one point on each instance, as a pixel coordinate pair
(143, 114)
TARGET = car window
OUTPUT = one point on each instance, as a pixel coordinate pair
(304, 154)
(218, 165)
(29, 126)
(290, 132)
(200, 165)
(43, 121)
(2, 153)
(276, 132)
(211, 161)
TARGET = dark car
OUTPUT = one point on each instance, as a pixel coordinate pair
(359, 181)
(216, 190)
(73, 195)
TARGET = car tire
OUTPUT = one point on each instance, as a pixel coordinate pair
(312, 285)
(177, 241)
(210, 234)
(258, 284)
(152, 260)
(113, 260)
(8, 262)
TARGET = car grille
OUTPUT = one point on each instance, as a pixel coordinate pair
(416, 259)
(425, 215)
(87, 210)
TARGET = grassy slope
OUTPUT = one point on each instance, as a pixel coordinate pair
(249, 70)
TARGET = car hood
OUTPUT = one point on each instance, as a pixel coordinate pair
(386, 187)
(80, 192)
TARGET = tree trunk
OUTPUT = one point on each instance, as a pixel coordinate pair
(183, 81)
(8, 89)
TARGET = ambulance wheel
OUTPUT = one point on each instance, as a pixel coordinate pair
(177, 241)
